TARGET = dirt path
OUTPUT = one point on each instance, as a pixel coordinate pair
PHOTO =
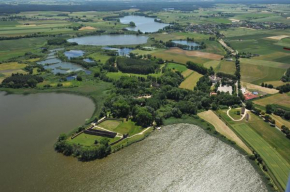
(141, 133)
(244, 115)
(227, 47)
(223, 129)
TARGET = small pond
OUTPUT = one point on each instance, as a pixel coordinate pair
(74, 53)
(190, 44)
(57, 66)
(121, 51)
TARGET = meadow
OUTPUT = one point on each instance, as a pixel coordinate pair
(190, 81)
(279, 99)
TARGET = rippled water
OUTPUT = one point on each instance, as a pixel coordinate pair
(176, 158)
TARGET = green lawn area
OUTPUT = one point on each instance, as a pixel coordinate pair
(119, 74)
(88, 140)
(233, 113)
(178, 67)
(99, 56)
(123, 127)
(278, 165)
(110, 124)
(226, 67)
(128, 127)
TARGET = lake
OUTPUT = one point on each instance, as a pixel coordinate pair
(57, 66)
(144, 24)
(190, 45)
(176, 158)
(106, 40)
(30, 125)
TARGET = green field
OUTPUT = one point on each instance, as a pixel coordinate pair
(88, 140)
(226, 67)
(276, 163)
(279, 99)
(177, 67)
(123, 127)
(190, 81)
(233, 113)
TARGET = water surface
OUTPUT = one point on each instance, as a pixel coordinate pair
(120, 51)
(57, 66)
(30, 125)
(190, 45)
(105, 40)
(144, 24)
(73, 53)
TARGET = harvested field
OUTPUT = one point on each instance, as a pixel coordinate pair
(235, 20)
(190, 82)
(276, 83)
(195, 54)
(187, 73)
(213, 64)
(279, 99)
(279, 121)
(259, 88)
(223, 129)
(87, 28)
(279, 37)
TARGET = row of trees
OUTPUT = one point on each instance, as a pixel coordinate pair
(277, 110)
(286, 77)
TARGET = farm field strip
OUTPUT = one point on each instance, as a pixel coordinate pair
(223, 129)
(278, 165)
(279, 99)
(190, 81)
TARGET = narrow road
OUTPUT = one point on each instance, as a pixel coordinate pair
(141, 133)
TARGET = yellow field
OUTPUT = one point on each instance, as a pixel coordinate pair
(213, 64)
(259, 88)
(6, 69)
(187, 73)
(279, 121)
(223, 129)
(276, 83)
(190, 82)
(279, 99)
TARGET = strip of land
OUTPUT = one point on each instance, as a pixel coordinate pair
(223, 129)
(195, 53)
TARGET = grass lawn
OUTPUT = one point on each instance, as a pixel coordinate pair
(279, 99)
(277, 164)
(178, 67)
(123, 127)
(119, 74)
(110, 124)
(233, 113)
(190, 81)
(128, 127)
(99, 56)
(88, 140)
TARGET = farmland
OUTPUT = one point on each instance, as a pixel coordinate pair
(267, 141)
(190, 81)
(279, 99)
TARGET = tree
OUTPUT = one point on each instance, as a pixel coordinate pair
(269, 109)
(79, 78)
(132, 24)
(143, 117)
(249, 105)
(120, 108)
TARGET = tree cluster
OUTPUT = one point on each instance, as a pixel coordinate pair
(21, 81)
(138, 66)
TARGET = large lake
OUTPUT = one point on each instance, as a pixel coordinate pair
(176, 158)
(106, 40)
(144, 24)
